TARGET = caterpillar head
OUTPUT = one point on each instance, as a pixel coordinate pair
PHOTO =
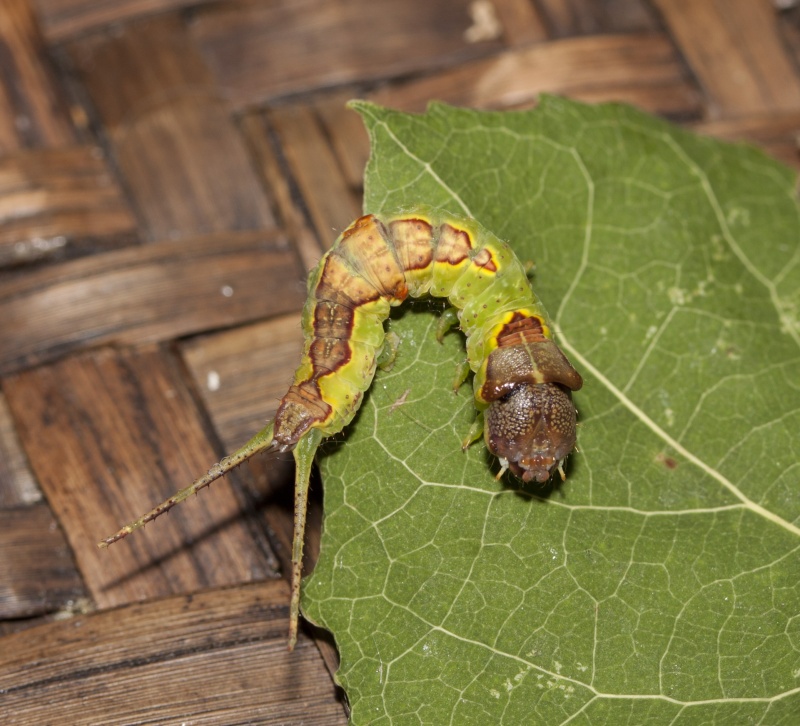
(532, 430)
(530, 422)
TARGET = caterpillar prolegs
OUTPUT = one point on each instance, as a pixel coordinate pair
(522, 380)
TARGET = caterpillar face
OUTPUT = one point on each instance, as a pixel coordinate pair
(532, 429)
(530, 422)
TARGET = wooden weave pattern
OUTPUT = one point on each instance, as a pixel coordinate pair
(169, 171)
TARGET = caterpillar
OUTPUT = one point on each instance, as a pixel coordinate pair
(522, 379)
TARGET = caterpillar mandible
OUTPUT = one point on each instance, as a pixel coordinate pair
(522, 379)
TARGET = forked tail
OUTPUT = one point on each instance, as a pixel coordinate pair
(261, 441)
(304, 453)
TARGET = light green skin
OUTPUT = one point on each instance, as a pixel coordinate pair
(484, 301)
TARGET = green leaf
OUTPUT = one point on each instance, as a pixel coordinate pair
(661, 582)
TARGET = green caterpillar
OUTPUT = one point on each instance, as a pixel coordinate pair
(522, 380)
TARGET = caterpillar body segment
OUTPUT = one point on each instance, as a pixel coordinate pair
(522, 379)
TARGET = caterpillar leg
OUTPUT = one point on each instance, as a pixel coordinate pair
(261, 441)
(447, 320)
(462, 371)
(474, 433)
(304, 454)
(388, 355)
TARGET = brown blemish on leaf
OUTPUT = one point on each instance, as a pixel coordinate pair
(667, 461)
(400, 401)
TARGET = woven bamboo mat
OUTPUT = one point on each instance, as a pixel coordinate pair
(169, 171)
